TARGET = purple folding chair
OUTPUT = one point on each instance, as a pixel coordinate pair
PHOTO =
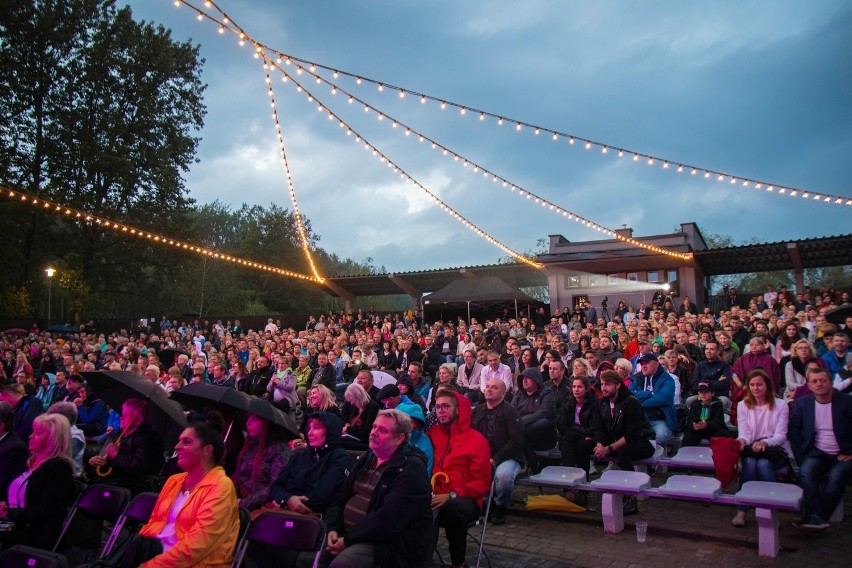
(290, 532)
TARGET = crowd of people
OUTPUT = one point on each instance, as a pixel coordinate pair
(468, 403)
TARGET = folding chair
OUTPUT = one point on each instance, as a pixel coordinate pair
(21, 556)
(482, 520)
(291, 532)
(138, 512)
(103, 502)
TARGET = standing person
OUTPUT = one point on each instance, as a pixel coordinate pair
(501, 425)
(261, 459)
(820, 433)
(37, 498)
(383, 517)
(462, 470)
(196, 516)
(625, 432)
(763, 422)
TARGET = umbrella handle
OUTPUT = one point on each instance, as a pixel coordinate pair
(228, 433)
(440, 475)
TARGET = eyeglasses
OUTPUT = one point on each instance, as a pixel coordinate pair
(443, 407)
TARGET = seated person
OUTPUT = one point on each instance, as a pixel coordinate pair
(624, 432)
(37, 499)
(196, 517)
(263, 456)
(383, 517)
(820, 433)
(706, 417)
(536, 407)
(91, 412)
(310, 482)
(138, 455)
(359, 411)
(655, 388)
(578, 418)
(78, 439)
(763, 422)
(462, 473)
(13, 450)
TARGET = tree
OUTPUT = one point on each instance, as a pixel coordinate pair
(99, 113)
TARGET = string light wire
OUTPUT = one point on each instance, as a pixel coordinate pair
(124, 229)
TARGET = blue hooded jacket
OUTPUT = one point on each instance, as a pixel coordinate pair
(419, 439)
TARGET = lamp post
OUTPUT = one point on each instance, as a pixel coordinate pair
(50, 272)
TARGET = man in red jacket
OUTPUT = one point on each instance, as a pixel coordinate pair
(462, 471)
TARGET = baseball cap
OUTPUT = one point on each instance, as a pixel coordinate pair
(704, 386)
(648, 357)
(388, 391)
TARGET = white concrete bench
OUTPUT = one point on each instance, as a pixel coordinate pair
(692, 457)
(766, 497)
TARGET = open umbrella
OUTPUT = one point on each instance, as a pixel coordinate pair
(16, 331)
(59, 328)
(839, 314)
(165, 416)
(199, 396)
(168, 356)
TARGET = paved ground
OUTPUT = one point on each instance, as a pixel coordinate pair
(679, 534)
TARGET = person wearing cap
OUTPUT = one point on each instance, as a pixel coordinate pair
(390, 397)
(406, 387)
(706, 417)
(624, 431)
(655, 388)
(537, 409)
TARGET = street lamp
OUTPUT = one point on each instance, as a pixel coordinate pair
(50, 272)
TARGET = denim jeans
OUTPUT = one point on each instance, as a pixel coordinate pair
(833, 474)
(504, 477)
(662, 433)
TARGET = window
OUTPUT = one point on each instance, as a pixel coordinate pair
(654, 276)
(672, 275)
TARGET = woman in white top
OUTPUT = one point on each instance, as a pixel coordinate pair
(762, 433)
(794, 373)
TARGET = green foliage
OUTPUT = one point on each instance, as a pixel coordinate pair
(15, 301)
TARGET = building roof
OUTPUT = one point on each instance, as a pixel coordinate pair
(794, 254)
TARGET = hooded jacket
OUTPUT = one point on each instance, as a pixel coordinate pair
(317, 473)
(462, 454)
(419, 439)
(658, 400)
(398, 522)
(540, 404)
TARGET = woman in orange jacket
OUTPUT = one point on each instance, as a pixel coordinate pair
(196, 517)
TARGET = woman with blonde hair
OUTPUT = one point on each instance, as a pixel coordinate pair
(803, 352)
(37, 498)
(359, 413)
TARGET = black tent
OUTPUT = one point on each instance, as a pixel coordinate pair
(484, 293)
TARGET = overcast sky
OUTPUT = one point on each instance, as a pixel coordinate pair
(756, 89)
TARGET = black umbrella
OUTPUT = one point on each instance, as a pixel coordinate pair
(168, 356)
(199, 396)
(58, 328)
(165, 416)
(839, 314)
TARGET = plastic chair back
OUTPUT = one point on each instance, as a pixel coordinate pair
(138, 511)
(291, 532)
(104, 502)
(21, 556)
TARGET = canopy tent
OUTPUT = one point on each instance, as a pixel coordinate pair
(485, 294)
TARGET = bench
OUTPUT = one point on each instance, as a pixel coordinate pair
(768, 498)
(690, 457)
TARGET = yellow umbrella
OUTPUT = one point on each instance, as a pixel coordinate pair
(552, 503)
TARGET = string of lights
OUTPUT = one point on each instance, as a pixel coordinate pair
(399, 170)
(93, 220)
(476, 167)
(537, 130)
(261, 51)
(303, 237)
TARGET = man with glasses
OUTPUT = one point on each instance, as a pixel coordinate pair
(461, 472)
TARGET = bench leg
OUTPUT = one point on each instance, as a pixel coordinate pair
(837, 515)
(767, 532)
(612, 510)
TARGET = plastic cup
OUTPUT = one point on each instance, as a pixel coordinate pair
(641, 531)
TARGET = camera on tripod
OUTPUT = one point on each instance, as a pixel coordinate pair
(604, 302)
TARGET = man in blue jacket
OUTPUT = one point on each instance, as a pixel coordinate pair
(655, 389)
(820, 433)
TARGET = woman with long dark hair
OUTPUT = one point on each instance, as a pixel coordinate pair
(576, 421)
(262, 458)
